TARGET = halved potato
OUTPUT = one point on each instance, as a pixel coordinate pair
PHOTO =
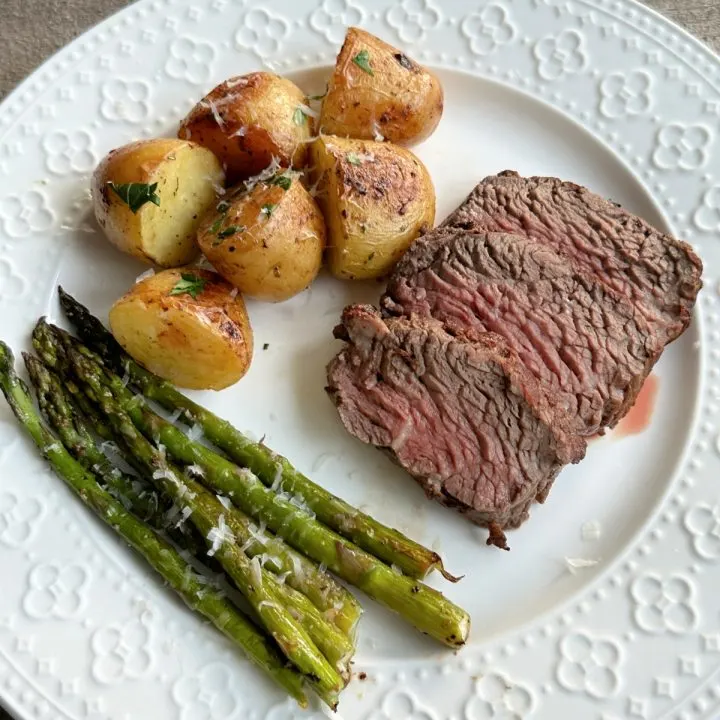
(249, 120)
(376, 199)
(267, 241)
(188, 326)
(149, 197)
(377, 92)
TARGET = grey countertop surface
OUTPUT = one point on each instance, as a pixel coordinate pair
(31, 30)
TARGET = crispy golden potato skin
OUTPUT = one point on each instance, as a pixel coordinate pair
(376, 199)
(187, 176)
(248, 120)
(198, 343)
(401, 100)
(273, 255)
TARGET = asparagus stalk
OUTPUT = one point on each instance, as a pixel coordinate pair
(161, 556)
(208, 515)
(383, 542)
(427, 609)
(57, 406)
(336, 602)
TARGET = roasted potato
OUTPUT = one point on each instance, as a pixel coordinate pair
(149, 197)
(378, 92)
(249, 120)
(267, 241)
(376, 199)
(187, 325)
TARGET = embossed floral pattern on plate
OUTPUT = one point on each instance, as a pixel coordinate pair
(645, 93)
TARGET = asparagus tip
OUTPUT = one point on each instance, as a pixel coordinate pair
(34, 367)
(40, 326)
(7, 360)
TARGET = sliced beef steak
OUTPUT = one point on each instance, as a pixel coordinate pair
(589, 347)
(658, 272)
(462, 415)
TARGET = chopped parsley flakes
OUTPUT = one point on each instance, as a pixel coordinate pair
(230, 230)
(135, 195)
(362, 60)
(282, 180)
(189, 283)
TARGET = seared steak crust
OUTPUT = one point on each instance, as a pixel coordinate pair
(657, 272)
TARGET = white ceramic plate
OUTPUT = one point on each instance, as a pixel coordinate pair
(604, 93)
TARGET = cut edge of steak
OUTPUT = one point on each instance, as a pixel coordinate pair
(461, 414)
(589, 347)
(658, 272)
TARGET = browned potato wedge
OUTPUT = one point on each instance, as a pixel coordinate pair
(378, 92)
(376, 199)
(249, 120)
(267, 241)
(149, 197)
(187, 325)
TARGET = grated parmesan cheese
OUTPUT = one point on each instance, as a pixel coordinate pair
(256, 571)
(171, 514)
(277, 480)
(266, 603)
(204, 264)
(145, 275)
(184, 515)
(84, 228)
(234, 82)
(258, 532)
(307, 110)
(224, 501)
(575, 564)
(207, 103)
(184, 492)
(195, 432)
(264, 175)
(219, 535)
(257, 535)
(299, 502)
